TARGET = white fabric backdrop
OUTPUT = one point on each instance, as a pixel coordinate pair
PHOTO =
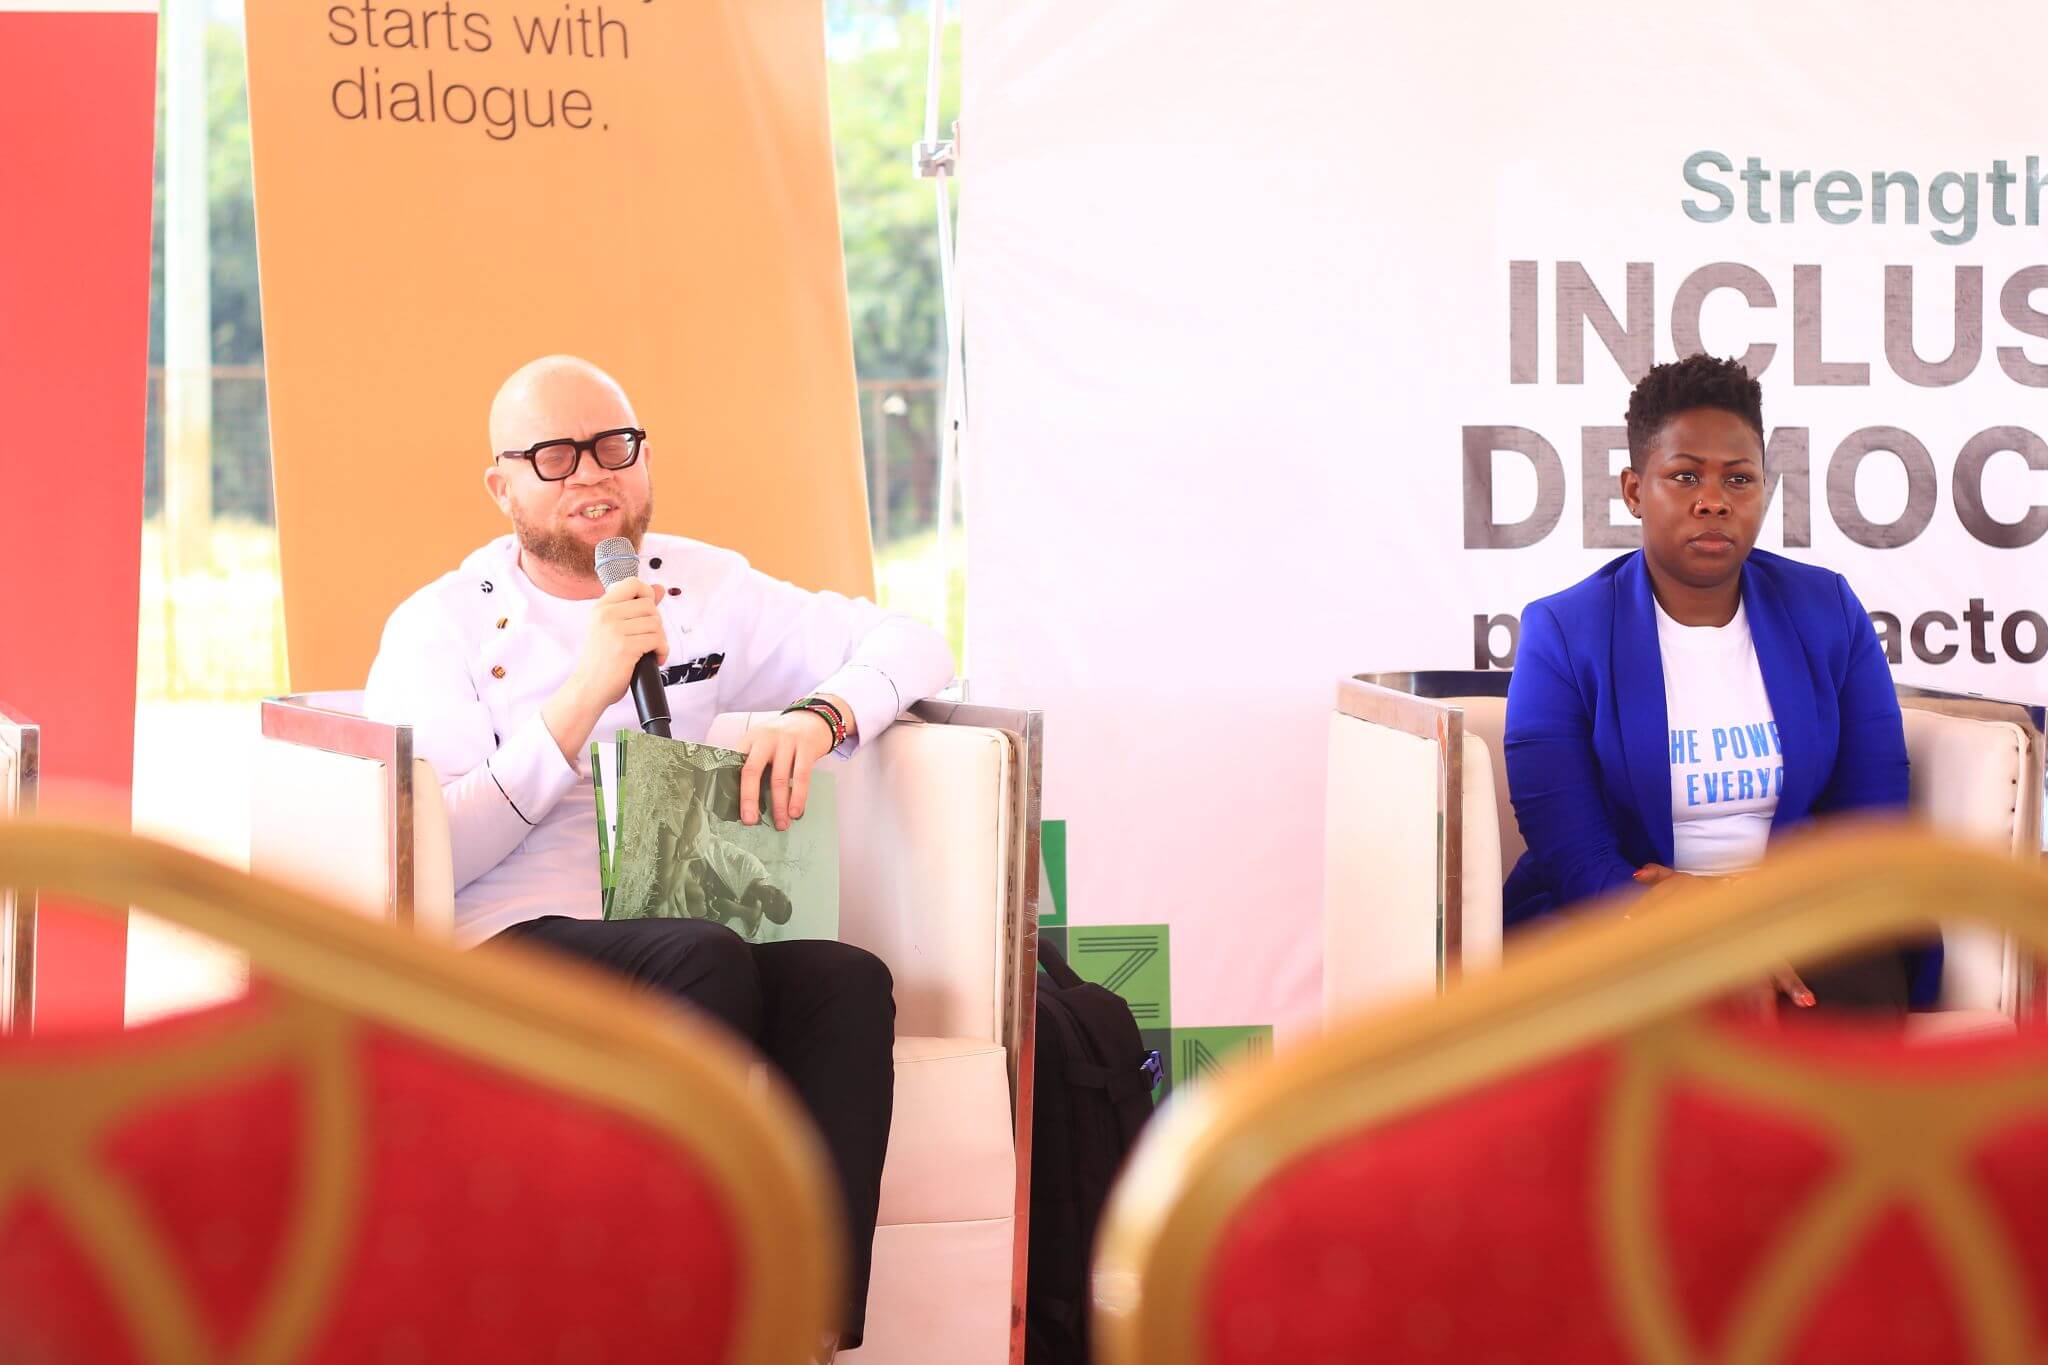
(1236, 281)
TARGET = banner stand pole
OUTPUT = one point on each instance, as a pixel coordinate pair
(936, 160)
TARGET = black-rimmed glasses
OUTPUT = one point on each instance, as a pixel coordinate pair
(557, 460)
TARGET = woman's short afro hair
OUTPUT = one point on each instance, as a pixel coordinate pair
(1698, 381)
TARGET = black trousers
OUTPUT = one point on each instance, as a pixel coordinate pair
(1874, 983)
(823, 1013)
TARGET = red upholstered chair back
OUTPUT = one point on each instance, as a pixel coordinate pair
(391, 1152)
(1575, 1162)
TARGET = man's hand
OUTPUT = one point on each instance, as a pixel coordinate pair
(625, 626)
(786, 748)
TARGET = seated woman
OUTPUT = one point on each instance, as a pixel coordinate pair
(1673, 711)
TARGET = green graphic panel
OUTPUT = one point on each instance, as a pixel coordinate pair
(1130, 959)
(1052, 873)
(1055, 938)
(1197, 1052)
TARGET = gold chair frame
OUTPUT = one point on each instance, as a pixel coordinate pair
(1601, 978)
(554, 1024)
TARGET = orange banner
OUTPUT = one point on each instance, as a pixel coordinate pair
(444, 193)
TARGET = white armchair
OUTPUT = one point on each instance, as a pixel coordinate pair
(1419, 831)
(20, 770)
(341, 808)
(939, 851)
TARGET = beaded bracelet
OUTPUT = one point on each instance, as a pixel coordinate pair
(798, 709)
(815, 701)
(825, 711)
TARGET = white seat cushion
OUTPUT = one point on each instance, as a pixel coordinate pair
(951, 1156)
(944, 1251)
(1484, 871)
(1486, 719)
(939, 1295)
(318, 821)
(433, 857)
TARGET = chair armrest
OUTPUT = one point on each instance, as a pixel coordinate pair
(1969, 778)
(1412, 848)
(927, 815)
(1380, 925)
(341, 808)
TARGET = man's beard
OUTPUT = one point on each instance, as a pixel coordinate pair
(564, 551)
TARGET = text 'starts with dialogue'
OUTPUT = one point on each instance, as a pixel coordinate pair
(417, 66)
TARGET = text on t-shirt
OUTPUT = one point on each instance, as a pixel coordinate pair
(1751, 782)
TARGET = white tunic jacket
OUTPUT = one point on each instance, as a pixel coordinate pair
(469, 660)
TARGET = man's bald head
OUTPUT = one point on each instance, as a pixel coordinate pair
(559, 521)
(556, 396)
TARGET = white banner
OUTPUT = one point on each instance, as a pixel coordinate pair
(1300, 337)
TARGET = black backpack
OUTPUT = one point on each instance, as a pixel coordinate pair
(1093, 1085)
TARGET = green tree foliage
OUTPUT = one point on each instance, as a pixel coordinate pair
(880, 52)
(241, 435)
(231, 211)
(886, 215)
(231, 202)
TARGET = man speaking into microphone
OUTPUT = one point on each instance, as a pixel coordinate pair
(506, 667)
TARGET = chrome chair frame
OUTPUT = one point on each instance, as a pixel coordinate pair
(310, 719)
(1026, 729)
(18, 908)
(1416, 703)
(1412, 704)
(2026, 981)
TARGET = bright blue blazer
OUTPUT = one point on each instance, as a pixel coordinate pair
(1588, 755)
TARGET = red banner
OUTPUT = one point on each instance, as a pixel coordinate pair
(77, 103)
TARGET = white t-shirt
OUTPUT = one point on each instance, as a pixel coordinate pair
(1726, 765)
(565, 622)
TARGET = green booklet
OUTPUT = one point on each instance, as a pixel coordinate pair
(670, 844)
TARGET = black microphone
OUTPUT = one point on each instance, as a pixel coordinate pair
(617, 561)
